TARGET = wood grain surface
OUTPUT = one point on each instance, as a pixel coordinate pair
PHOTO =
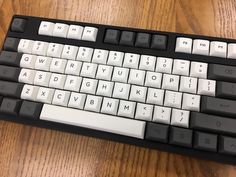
(27, 151)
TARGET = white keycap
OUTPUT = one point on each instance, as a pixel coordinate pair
(144, 112)
(162, 114)
(199, 70)
(54, 50)
(40, 48)
(180, 118)
(115, 58)
(69, 52)
(131, 60)
(104, 72)
(100, 56)
(218, 49)
(136, 77)
(181, 67)
(77, 100)
(73, 67)
(60, 30)
(43, 63)
(57, 81)
(231, 51)
(110, 106)
(126, 108)
(58, 65)
(188, 84)
(89, 34)
(155, 96)
(45, 95)
(25, 46)
(170, 82)
(42, 78)
(121, 91)
(61, 98)
(153, 79)
(89, 86)
(73, 83)
(201, 47)
(27, 61)
(29, 92)
(191, 102)
(183, 45)
(206, 87)
(75, 32)
(120, 74)
(26, 76)
(46, 28)
(88, 70)
(105, 88)
(93, 103)
(101, 122)
(147, 62)
(173, 99)
(164, 65)
(85, 54)
(138, 93)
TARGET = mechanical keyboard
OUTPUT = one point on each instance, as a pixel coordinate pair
(169, 91)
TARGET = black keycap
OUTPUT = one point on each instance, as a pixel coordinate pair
(212, 123)
(157, 132)
(127, 38)
(18, 25)
(159, 42)
(227, 145)
(218, 106)
(10, 58)
(9, 73)
(205, 141)
(11, 44)
(222, 72)
(11, 89)
(143, 40)
(181, 136)
(112, 36)
(1, 97)
(30, 109)
(226, 90)
(10, 106)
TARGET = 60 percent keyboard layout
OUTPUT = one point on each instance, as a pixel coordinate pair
(163, 90)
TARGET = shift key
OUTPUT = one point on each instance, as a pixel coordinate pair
(218, 106)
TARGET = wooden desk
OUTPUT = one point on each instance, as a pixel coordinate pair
(29, 151)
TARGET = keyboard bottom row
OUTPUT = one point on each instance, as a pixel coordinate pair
(149, 134)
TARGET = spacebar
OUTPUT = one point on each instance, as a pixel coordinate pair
(91, 120)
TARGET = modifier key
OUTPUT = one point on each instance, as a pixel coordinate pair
(10, 106)
(157, 132)
(205, 141)
(181, 136)
(30, 109)
(11, 89)
(9, 73)
(218, 106)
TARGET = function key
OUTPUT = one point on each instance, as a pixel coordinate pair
(90, 34)
(159, 42)
(183, 45)
(205, 141)
(201, 47)
(227, 145)
(218, 49)
(75, 32)
(142, 40)
(112, 36)
(18, 25)
(181, 136)
(46, 28)
(231, 51)
(60, 30)
(127, 38)
(11, 44)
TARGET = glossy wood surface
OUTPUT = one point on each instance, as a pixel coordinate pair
(27, 151)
